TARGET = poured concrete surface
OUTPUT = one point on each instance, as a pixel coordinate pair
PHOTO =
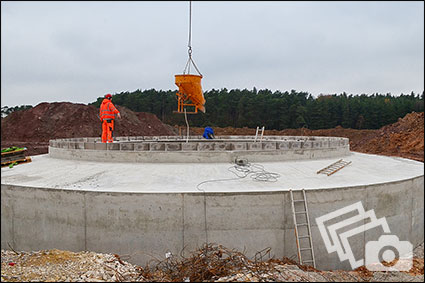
(365, 169)
(147, 209)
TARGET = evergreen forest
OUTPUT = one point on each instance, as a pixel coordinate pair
(275, 110)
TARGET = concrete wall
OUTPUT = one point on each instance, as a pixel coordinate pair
(222, 149)
(148, 225)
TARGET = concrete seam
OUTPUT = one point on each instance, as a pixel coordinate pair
(13, 224)
(205, 218)
(283, 223)
(182, 222)
(411, 209)
(364, 231)
(85, 222)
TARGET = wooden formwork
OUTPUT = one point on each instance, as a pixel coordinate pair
(14, 157)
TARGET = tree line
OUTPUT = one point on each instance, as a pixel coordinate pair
(6, 110)
(276, 110)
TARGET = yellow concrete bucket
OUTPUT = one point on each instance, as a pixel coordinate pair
(190, 89)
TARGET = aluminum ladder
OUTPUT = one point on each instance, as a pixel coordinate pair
(256, 133)
(303, 210)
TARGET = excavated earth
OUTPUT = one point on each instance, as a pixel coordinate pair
(33, 128)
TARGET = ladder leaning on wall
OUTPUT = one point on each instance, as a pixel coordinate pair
(256, 133)
(302, 245)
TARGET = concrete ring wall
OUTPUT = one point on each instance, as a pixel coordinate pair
(144, 225)
(196, 149)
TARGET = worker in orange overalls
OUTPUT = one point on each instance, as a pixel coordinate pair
(107, 114)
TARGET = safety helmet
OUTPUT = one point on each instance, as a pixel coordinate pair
(108, 96)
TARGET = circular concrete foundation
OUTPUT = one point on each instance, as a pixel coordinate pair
(145, 196)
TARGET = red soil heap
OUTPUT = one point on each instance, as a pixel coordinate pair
(33, 128)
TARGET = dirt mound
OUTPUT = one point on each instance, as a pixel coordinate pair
(33, 128)
(404, 138)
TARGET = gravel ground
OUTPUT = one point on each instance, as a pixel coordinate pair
(65, 266)
(56, 265)
(419, 251)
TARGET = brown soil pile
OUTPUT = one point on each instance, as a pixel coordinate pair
(404, 138)
(33, 128)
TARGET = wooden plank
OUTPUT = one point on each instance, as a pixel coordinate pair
(19, 161)
(4, 159)
(13, 152)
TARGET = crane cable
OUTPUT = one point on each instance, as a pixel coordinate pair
(189, 45)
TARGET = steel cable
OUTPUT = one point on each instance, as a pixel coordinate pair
(189, 45)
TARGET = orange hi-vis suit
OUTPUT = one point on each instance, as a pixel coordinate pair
(107, 115)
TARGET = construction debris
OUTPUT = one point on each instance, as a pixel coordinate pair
(65, 266)
(211, 263)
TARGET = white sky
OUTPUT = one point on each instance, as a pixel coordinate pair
(78, 51)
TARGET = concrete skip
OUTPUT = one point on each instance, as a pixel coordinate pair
(148, 224)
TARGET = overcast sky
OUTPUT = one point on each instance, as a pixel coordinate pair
(78, 51)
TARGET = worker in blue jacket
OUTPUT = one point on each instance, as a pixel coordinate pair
(208, 133)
